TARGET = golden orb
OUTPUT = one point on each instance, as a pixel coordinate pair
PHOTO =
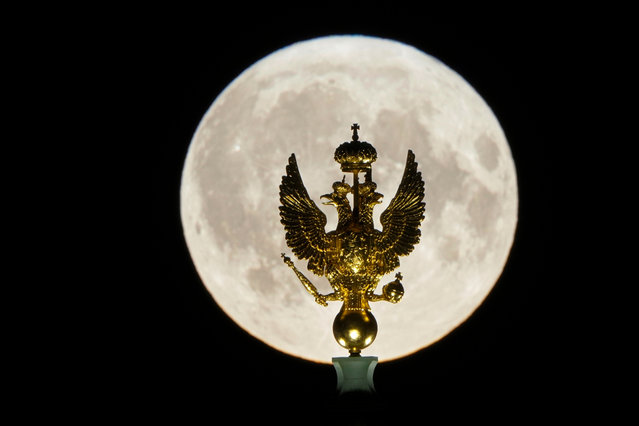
(355, 329)
(393, 291)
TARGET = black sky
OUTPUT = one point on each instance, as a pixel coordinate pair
(183, 354)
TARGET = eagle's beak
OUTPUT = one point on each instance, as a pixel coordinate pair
(329, 197)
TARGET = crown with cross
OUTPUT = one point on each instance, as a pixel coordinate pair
(355, 156)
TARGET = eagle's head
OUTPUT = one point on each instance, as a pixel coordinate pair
(338, 196)
(367, 192)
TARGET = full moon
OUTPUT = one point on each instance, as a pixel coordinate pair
(303, 99)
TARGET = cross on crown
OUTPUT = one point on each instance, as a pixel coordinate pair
(354, 128)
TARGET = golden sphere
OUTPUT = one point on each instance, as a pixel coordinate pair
(393, 291)
(355, 329)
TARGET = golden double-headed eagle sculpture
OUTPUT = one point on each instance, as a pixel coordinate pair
(355, 255)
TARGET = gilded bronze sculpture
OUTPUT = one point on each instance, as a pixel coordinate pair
(355, 255)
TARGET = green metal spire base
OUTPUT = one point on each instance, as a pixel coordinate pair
(355, 373)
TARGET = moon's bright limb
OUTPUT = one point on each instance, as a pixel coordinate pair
(302, 99)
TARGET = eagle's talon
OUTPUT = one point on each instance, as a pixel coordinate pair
(321, 300)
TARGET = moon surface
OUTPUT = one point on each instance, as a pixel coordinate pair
(303, 99)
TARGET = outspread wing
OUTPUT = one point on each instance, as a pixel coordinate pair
(303, 220)
(401, 220)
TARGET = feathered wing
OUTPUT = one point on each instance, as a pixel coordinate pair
(401, 220)
(303, 221)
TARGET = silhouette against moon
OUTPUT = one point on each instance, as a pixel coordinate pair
(302, 99)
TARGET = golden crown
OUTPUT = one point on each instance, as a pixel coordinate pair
(355, 156)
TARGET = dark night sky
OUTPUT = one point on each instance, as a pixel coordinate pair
(183, 353)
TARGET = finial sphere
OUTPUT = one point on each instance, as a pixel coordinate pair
(355, 329)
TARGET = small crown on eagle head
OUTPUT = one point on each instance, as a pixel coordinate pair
(355, 156)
